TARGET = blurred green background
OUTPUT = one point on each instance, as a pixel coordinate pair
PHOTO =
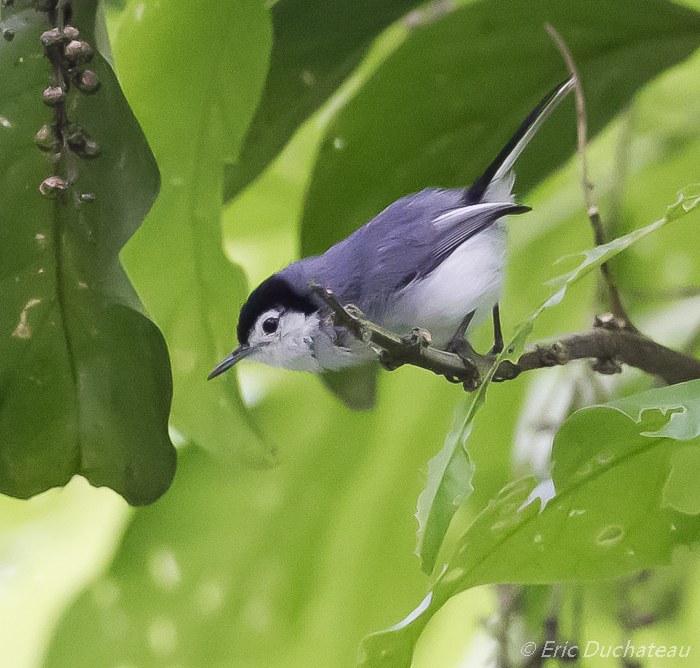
(289, 533)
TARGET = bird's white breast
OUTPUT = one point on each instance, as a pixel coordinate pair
(471, 278)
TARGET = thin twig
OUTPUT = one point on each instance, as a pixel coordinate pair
(587, 186)
(581, 129)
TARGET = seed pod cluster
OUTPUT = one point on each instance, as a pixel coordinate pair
(69, 56)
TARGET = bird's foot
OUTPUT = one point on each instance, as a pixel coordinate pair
(481, 364)
(507, 370)
(459, 363)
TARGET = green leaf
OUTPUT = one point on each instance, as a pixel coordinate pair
(85, 383)
(681, 489)
(317, 45)
(285, 567)
(688, 199)
(449, 472)
(195, 116)
(618, 504)
(679, 402)
(442, 105)
(448, 484)
(598, 255)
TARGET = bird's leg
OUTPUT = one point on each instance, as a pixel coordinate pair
(506, 369)
(460, 334)
(459, 345)
(497, 332)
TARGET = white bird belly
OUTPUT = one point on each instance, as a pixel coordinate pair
(470, 279)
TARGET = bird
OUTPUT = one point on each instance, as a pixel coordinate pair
(432, 260)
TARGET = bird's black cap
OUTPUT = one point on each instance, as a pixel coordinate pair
(273, 292)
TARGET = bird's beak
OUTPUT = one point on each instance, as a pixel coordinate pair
(236, 356)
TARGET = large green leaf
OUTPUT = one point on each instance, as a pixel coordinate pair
(194, 116)
(317, 45)
(620, 501)
(85, 382)
(441, 106)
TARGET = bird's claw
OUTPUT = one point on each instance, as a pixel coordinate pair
(506, 370)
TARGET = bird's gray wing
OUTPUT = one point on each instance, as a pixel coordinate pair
(459, 225)
(403, 243)
(416, 238)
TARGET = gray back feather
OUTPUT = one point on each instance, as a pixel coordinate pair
(403, 244)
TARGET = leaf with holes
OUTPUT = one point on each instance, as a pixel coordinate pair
(449, 472)
(621, 501)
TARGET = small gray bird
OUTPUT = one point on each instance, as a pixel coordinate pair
(432, 260)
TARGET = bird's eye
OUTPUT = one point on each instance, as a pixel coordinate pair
(270, 325)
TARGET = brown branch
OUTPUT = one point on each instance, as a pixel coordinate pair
(394, 351)
(610, 343)
(581, 128)
(611, 348)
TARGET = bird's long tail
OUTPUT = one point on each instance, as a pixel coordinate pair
(500, 168)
